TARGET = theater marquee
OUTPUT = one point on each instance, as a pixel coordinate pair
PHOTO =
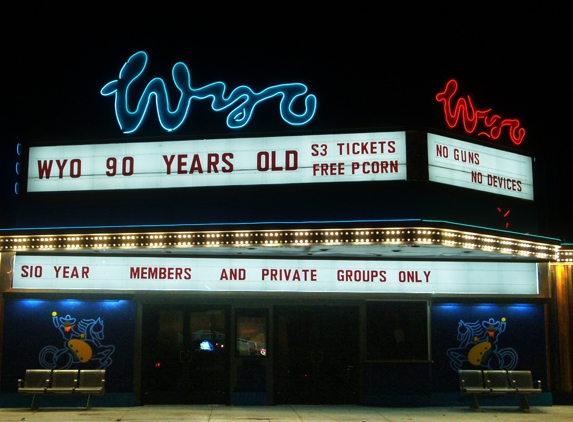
(274, 275)
(477, 167)
(220, 162)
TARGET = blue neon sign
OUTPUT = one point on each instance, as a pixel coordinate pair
(241, 101)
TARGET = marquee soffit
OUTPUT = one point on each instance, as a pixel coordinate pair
(420, 242)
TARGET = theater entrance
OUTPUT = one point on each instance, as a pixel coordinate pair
(317, 355)
(185, 355)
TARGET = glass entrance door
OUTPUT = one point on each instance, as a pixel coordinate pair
(185, 356)
(317, 355)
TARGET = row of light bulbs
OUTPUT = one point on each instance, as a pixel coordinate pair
(329, 237)
(566, 255)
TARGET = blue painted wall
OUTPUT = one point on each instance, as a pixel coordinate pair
(74, 334)
(487, 336)
(513, 334)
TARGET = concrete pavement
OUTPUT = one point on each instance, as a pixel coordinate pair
(287, 413)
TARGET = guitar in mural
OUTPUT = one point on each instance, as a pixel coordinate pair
(83, 342)
(478, 346)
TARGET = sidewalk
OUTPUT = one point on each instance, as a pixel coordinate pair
(292, 413)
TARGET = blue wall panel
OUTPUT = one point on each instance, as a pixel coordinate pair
(487, 336)
(74, 334)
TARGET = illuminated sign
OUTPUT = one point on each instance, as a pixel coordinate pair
(240, 102)
(476, 167)
(465, 111)
(206, 346)
(220, 162)
(273, 275)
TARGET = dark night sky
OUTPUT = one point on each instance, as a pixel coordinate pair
(369, 68)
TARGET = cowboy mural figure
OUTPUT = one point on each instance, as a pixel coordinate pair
(478, 346)
(82, 344)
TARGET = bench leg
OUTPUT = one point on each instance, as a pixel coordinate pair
(89, 404)
(524, 404)
(474, 403)
(33, 406)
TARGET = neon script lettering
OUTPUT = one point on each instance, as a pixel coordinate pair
(465, 110)
(241, 101)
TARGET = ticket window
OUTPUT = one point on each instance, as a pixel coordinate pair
(397, 331)
(251, 352)
(252, 333)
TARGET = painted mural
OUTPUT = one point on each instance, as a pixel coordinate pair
(478, 346)
(69, 334)
(83, 341)
(486, 336)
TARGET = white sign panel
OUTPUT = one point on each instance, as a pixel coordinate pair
(476, 167)
(273, 275)
(220, 162)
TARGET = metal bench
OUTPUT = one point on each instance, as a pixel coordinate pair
(92, 382)
(522, 382)
(35, 382)
(62, 382)
(498, 383)
(471, 383)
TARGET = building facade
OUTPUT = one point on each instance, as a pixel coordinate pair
(361, 268)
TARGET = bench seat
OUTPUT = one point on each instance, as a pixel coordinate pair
(498, 383)
(62, 382)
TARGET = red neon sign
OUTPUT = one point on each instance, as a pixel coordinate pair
(470, 117)
(505, 214)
